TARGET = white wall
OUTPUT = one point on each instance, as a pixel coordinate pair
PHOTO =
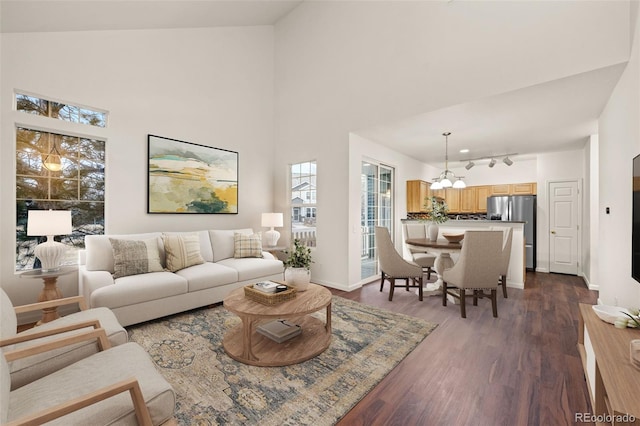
(619, 140)
(208, 86)
(345, 66)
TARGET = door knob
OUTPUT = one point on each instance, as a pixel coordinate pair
(553, 232)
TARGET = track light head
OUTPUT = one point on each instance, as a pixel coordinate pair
(492, 162)
(507, 161)
(470, 165)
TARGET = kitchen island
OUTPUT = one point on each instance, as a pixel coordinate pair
(516, 272)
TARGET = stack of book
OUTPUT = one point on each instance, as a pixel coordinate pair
(279, 330)
(266, 286)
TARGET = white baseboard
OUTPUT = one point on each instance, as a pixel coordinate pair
(590, 285)
(543, 270)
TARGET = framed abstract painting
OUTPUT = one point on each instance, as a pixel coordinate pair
(185, 177)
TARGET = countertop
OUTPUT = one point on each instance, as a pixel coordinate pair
(496, 222)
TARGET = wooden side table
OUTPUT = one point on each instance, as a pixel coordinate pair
(50, 291)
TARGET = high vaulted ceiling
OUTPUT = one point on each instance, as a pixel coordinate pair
(553, 116)
(87, 15)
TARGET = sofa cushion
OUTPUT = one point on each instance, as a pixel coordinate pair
(222, 242)
(139, 288)
(208, 275)
(26, 370)
(250, 267)
(92, 373)
(247, 245)
(132, 257)
(181, 251)
(100, 253)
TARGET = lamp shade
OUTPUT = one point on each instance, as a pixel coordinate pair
(49, 222)
(272, 220)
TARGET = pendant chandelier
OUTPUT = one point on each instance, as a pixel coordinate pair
(53, 160)
(447, 176)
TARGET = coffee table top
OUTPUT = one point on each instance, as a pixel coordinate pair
(313, 299)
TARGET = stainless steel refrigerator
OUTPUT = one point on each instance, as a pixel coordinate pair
(517, 208)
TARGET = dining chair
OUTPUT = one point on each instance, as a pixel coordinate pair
(507, 237)
(29, 369)
(393, 266)
(477, 268)
(419, 255)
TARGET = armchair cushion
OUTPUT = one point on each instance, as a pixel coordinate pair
(88, 375)
(28, 369)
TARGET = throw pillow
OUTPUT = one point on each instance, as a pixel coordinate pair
(132, 257)
(247, 245)
(182, 251)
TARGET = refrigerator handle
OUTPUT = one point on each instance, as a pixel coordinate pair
(510, 210)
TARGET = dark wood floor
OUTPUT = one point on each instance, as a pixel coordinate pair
(521, 368)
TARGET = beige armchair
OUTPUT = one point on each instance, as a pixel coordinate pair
(477, 268)
(26, 370)
(507, 238)
(393, 266)
(92, 391)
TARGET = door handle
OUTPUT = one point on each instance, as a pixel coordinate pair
(553, 232)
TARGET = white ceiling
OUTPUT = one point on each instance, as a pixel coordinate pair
(86, 15)
(554, 116)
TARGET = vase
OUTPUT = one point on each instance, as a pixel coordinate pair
(299, 278)
(433, 231)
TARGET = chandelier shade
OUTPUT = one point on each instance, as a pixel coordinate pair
(447, 178)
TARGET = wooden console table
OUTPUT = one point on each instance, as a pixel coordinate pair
(613, 382)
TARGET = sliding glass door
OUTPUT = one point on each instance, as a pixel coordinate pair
(376, 210)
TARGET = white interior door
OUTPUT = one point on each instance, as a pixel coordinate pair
(563, 227)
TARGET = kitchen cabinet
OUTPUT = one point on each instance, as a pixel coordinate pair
(468, 199)
(523, 188)
(417, 191)
(452, 198)
(501, 189)
(482, 192)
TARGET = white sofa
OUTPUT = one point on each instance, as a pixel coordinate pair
(142, 297)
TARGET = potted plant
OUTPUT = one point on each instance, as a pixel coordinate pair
(437, 213)
(297, 266)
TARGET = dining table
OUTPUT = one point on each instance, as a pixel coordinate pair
(442, 248)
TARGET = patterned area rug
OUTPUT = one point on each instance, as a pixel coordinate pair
(212, 388)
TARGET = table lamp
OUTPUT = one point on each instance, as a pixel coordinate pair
(49, 223)
(272, 220)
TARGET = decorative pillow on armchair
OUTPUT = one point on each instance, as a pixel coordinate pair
(182, 251)
(247, 245)
(131, 257)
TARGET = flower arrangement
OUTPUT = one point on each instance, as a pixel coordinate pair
(299, 257)
(633, 321)
(437, 210)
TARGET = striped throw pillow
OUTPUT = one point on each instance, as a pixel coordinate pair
(182, 251)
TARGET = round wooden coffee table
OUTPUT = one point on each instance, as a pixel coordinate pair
(244, 344)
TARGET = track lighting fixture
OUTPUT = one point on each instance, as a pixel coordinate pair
(470, 165)
(492, 162)
(507, 161)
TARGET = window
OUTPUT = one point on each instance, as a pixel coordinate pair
(61, 172)
(303, 202)
(61, 111)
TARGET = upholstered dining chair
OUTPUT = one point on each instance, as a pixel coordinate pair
(29, 369)
(507, 237)
(477, 268)
(419, 254)
(393, 266)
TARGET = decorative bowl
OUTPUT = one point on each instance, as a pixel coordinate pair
(453, 238)
(609, 313)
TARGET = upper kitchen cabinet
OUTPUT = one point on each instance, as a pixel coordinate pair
(524, 188)
(469, 199)
(501, 189)
(452, 198)
(482, 192)
(417, 191)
